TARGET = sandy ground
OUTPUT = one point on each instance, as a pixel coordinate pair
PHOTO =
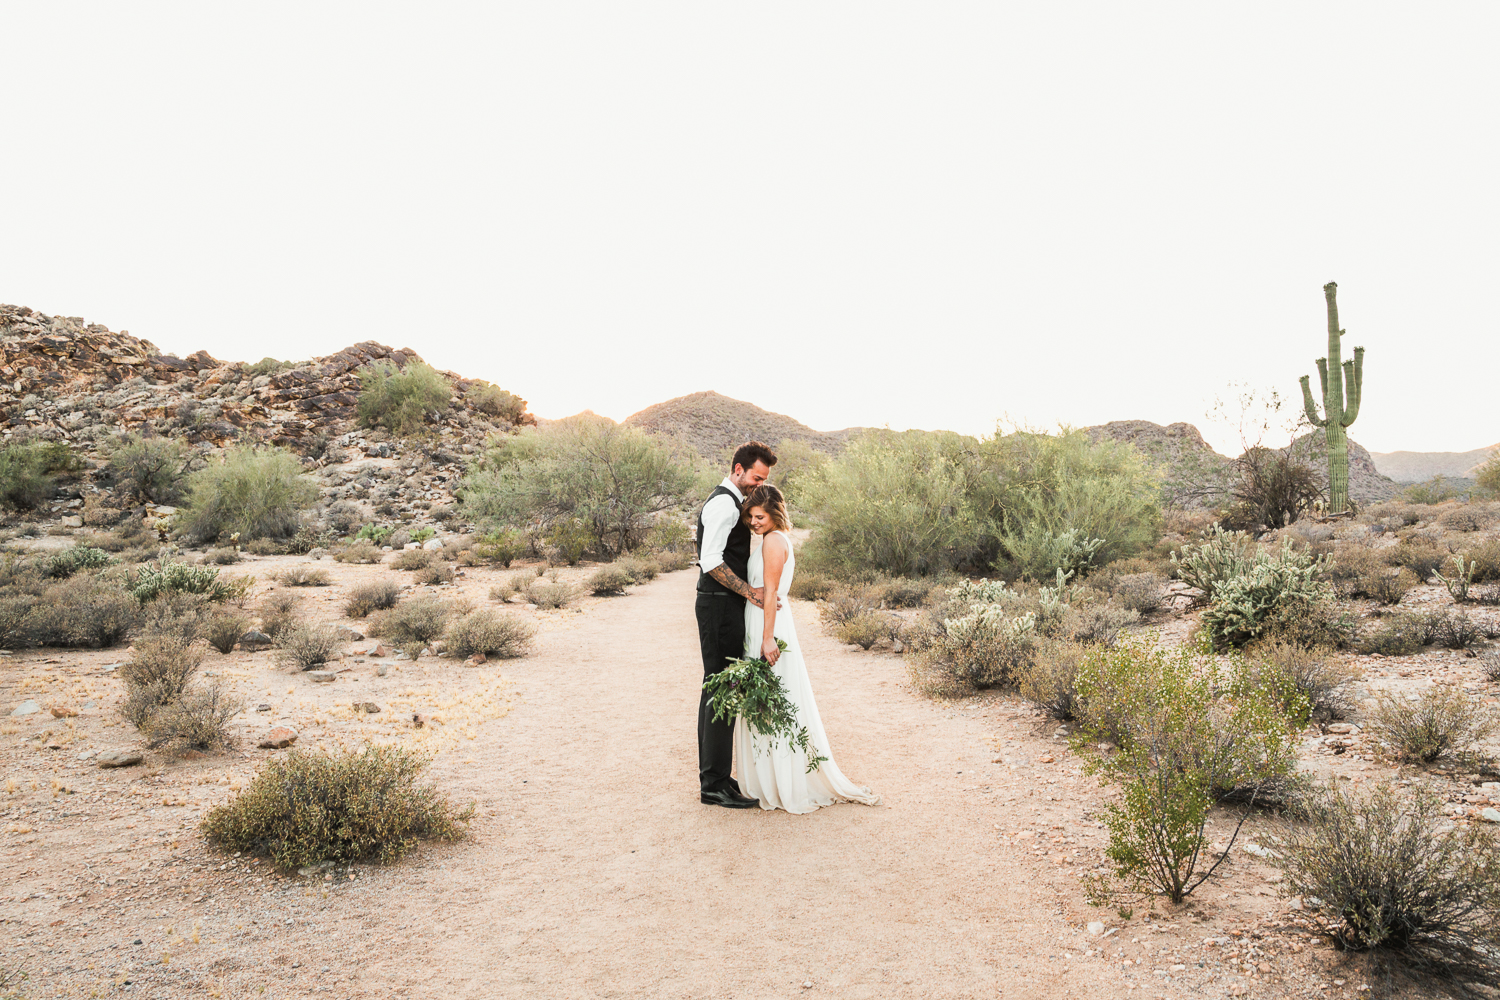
(592, 869)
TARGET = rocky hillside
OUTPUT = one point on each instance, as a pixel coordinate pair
(1420, 466)
(63, 379)
(714, 425)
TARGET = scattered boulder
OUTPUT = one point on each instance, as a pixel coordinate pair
(477, 660)
(63, 711)
(119, 758)
(254, 640)
(347, 634)
(320, 676)
(433, 544)
(278, 739)
(27, 707)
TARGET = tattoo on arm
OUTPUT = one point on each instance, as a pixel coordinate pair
(727, 577)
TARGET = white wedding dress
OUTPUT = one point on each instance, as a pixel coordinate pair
(777, 775)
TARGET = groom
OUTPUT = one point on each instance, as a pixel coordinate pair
(723, 555)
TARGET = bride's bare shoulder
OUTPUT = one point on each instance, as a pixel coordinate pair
(775, 541)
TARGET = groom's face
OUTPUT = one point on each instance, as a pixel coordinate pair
(748, 479)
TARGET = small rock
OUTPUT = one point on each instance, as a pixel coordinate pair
(368, 707)
(119, 758)
(262, 707)
(478, 659)
(71, 521)
(278, 739)
(411, 546)
(63, 711)
(1096, 927)
(380, 669)
(88, 755)
(347, 634)
(438, 648)
(1491, 815)
(433, 544)
(255, 640)
(1046, 760)
(315, 869)
(380, 649)
(1341, 728)
(27, 707)
(320, 676)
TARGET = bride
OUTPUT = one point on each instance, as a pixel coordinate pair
(778, 775)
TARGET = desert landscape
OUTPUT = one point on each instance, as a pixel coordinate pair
(215, 569)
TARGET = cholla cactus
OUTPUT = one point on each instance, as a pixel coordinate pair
(1341, 384)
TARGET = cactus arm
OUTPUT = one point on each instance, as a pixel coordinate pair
(1330, 293)
(1354, 381)
(1323, 382)
(1309, 405)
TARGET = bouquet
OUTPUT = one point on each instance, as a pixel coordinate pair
(749, 687)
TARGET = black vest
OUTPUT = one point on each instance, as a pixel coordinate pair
(736, 549)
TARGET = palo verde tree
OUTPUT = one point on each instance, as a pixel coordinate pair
(1341, 382)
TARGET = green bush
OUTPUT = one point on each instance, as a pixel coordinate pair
(1486, 559)
(168, 576)
(255, 493)
(864, 629)
(225, 627)
(158, 673)
(268, 366)
(303, 575)
(1391, 873)
(1421, 556)
(401, 399)
(496, 402)
(1244, 605)
(83, 611)
(29, 472)
(1438, 489)
(151, 468)
(376, 533)
(306, 647)
(435, 572)
(175, 613)
(1440, 723)
(1487, 476)
(226, 555)
(75, 558)
(413, 559)
(504, 546)
(198, 719)
(608, 581)
(358, 552)
(484, 631)
(303, 808)
(1050, 679)
(640, 569)
(415, 623)
(422, 534)
(982, 647)
(1319, 675)
(550, 594)
(571, 540)
(1186, 736)
(278, 611)
(366, 598)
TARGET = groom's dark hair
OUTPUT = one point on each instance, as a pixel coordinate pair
(751, 452)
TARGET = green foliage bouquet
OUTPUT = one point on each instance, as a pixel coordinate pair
(748, 687)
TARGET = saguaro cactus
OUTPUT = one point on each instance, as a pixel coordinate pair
(1341, 382)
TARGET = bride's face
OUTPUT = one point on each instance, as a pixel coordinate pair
(760, 521)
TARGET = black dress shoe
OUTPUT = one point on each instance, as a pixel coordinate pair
(728, 798)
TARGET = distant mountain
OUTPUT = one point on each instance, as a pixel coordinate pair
(1420, 466)
(713, 425)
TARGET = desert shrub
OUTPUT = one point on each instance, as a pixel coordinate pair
(357, 552)
(1397, 635)
(306, 647)
(550, 594)
(278, 611)
(864, 629)
(376, 595)
(1440, 723)
(1456, 630)
(1490, 667)
(1271, 487)
(1486, 559)
(1487, 476)
(606, 581)
(640, 569)
(569, 541)
(612, 478)
(504, 546)
(306, 538)
(303, 575)
(812, 586)
(268, 366)
(168, 576)
(159, 671)
(225, 555)
(224, 628)
(265, 547)
(671, 533)
(496, 402)
(1421, 556)
(844, 603)
(1319, 677)
(252, 492)
(1244, 605)
(1184, 739)
(129, 535)
(29, 472)
(415, 623)
(1312, 623)
(1349, 566)
(365, 805)
(1050, 679)
(1393, 874)
(420, 535)
(175, 613)
(85, 610)
(893, 503)
(197, 719)
(410, 559)
(493, 634)
(343, 517)
(1221, 556)
(1469, 517)
(74, 558)
(435, 572)
(901, 592)
(151, 468)
(980, 648)
(1093, 623)
(1388, 584)
(400, 399)
(1439, 489)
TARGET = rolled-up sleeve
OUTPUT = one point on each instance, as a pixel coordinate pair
(719, 516)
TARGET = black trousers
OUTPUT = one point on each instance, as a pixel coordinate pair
(721, 634)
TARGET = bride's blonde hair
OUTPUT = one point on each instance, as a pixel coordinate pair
(769, 499)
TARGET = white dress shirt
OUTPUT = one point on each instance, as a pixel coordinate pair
(719, 517)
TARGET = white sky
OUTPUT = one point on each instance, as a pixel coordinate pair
(920, 214)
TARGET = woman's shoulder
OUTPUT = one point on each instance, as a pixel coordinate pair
(779, 540)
